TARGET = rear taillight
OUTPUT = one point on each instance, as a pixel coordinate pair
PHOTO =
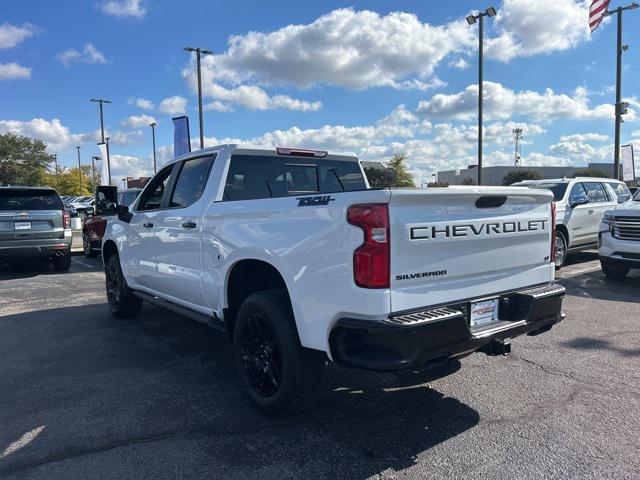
(66, 219)
(371, 260)
(553, 232)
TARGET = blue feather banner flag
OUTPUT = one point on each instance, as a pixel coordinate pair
(181, 136)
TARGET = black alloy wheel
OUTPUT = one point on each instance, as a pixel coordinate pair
(261, 355)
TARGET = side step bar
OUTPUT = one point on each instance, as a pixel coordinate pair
(214, 322)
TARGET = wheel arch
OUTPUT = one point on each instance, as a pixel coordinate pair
(248, 276)
(565, 231)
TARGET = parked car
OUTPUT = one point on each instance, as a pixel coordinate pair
(34, 225)
(94, 225)
(619, 240)
(292, 254)
(85, 206)
(580, 205)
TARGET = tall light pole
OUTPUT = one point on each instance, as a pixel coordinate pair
(621, 107)
(471, 19)
(199, 52)
(153, 135)
(79, 173)
(101, 101)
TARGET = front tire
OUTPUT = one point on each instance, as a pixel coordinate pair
(122, 302)
(561, 246)
(86, 246)
(279, 375)
(612, 271)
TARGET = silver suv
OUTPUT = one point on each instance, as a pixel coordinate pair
(34, 224)
(580, 204)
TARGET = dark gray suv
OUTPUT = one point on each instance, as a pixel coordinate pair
(34, 224)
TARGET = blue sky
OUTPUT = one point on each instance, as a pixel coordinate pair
(371, 77)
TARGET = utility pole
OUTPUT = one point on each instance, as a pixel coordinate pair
(199, 52)
(621, 107)
(101, 101)
(55, 161)
(153, 134)
(79, 173)
(471, 19)
(517, 133)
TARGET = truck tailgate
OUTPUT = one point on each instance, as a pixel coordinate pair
(467, 243)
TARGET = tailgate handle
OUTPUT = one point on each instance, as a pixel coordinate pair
(493, 201)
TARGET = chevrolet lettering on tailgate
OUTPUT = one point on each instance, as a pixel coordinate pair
(488, 229)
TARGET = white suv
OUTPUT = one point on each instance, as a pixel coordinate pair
(619, 240)
(580, 204)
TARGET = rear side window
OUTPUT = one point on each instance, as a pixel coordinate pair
(263, 176)
(29, 199)
(191, 182)
(558, 189)
(595, 192)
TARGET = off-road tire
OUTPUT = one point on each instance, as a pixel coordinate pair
(302, 371)
(612, 271)
(120, 298)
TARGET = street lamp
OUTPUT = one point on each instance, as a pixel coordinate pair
(101, 101)
(153, 134)
(621, 107)
(471, 19)
(199, 52)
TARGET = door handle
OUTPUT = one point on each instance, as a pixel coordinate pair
(189, 225)
(147, 225)
(591, 211)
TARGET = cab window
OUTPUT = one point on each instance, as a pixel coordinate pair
(191, 182)
(577, 191)
(151, 198)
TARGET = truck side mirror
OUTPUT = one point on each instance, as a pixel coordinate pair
(122, 211)
(579, 200)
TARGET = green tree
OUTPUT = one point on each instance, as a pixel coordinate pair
(520, 175)
(380, 177)
(23, 160)
(69, 182)
(468, 181)
(590, 172)
(397, 166)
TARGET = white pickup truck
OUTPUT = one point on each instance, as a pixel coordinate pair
(293, 255)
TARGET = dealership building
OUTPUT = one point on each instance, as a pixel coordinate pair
(495, 175)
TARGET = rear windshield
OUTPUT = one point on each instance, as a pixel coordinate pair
(29, 200)
(262, 176)
(558, 189)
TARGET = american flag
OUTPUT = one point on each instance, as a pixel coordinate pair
(596, 12)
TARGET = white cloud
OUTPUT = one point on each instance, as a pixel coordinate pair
(175, 105)
(13, 71)
(581, 151)
(123, 166)
(90, 54)
(459, 63)
(501, 103)
(584, 137)
(217, 106)
(138, 121)
(348, 48)
(12, 35)
(52, 132)
(531, 27)
(124, 8)
(142, 103)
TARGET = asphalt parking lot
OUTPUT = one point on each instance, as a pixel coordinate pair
(85, 396)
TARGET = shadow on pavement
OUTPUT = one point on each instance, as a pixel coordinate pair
(598, 286)
(587, 343)
(103, 388)
(33, 268)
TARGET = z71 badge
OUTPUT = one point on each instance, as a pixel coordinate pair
(312, 201)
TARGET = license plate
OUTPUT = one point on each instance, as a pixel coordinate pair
(484, 312)
(22, 225)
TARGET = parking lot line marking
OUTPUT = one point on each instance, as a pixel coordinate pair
(581, 271)
(82, 263)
